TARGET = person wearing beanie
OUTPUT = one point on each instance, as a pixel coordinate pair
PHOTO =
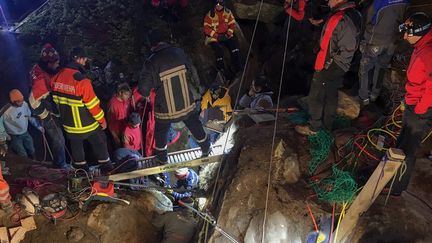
(40, 100)
(80, 113)
(339, 41)
(132, 136)
(187, 180)
(219, 27)
(170, 74)
(258, 95)
(178, 226)
(417, 117)
(118, 112)
(14, 122)
(378, 45)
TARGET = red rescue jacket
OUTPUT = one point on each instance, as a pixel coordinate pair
(419, 74)
(41, 82)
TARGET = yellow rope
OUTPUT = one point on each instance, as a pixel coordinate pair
(379, 130)
(339, 220)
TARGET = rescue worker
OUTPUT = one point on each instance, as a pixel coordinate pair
(219, 27)
(417, 117)
(168, 72)
(339, 41)
(217, 97)
(378, 45)
(187, 180)
(119, 110)
(295, 8)
(80, 112)
(14, 122)
(258, 95)
(5, 197)
(40, 100)
(177, 226)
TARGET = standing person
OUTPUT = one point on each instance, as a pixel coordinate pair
(417, 117)
(14, 122)
(119, 110)
(168, 72)
(132, 136)
(219, 27)
(80, 112)
(377, 47)
(339, 41)
(40, 100)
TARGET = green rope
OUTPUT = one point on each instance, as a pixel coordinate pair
(299, 117)
(340, 187)
(320, 145)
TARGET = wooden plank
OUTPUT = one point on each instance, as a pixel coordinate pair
(162, 168)
(19, 235)
(380, 177)
(4, 237)
(28, 223)
(12, 231)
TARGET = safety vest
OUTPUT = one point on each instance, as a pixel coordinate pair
(212, 24)
(325, 40)
(79, 107)
(223, 103)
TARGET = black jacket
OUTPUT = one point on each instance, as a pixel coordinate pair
(169, 72)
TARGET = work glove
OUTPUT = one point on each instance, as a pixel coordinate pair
(3, 147)
(222, 37)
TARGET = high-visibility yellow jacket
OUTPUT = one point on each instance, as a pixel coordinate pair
(224, 103)
(80, 112)
(218, 22)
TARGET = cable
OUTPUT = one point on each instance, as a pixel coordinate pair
(418, 198)
(275, 126)
(236, 102)
(340, 218)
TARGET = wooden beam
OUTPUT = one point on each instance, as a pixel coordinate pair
(4, 237)
(380, 177)
(162, 168)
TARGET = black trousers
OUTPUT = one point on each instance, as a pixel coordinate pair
(323, 97)
(232, 46)
(414, 128)
(97, 141)
(192, 123)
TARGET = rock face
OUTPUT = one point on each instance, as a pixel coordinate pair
(287, 169)
(121, 223)
(243, 207)
(250, 11)
(348, 106)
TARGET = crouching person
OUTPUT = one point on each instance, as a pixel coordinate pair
(178, 226)
(258, 96)
(187, 180)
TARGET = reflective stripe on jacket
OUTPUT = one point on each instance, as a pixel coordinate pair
(79, 107)
(218, 22)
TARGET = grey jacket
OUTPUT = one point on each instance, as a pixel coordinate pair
(345, 38)
(385, 31)
(257, 100)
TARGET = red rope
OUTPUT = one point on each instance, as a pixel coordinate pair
(313, 218)
(366, 152)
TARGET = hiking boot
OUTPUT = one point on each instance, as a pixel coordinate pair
(305, 130)
(160, 161)
(106, 168)
(364, 102)
(206, 153)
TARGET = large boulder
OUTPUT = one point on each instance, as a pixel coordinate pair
(286, 169)
(249, 11)
(348, 106)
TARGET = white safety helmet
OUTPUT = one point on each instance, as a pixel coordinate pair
(30, 201)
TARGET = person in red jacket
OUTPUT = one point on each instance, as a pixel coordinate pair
(119, 110)
(132, 136)
(295, 8)
(417, 117)
(40, 101)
